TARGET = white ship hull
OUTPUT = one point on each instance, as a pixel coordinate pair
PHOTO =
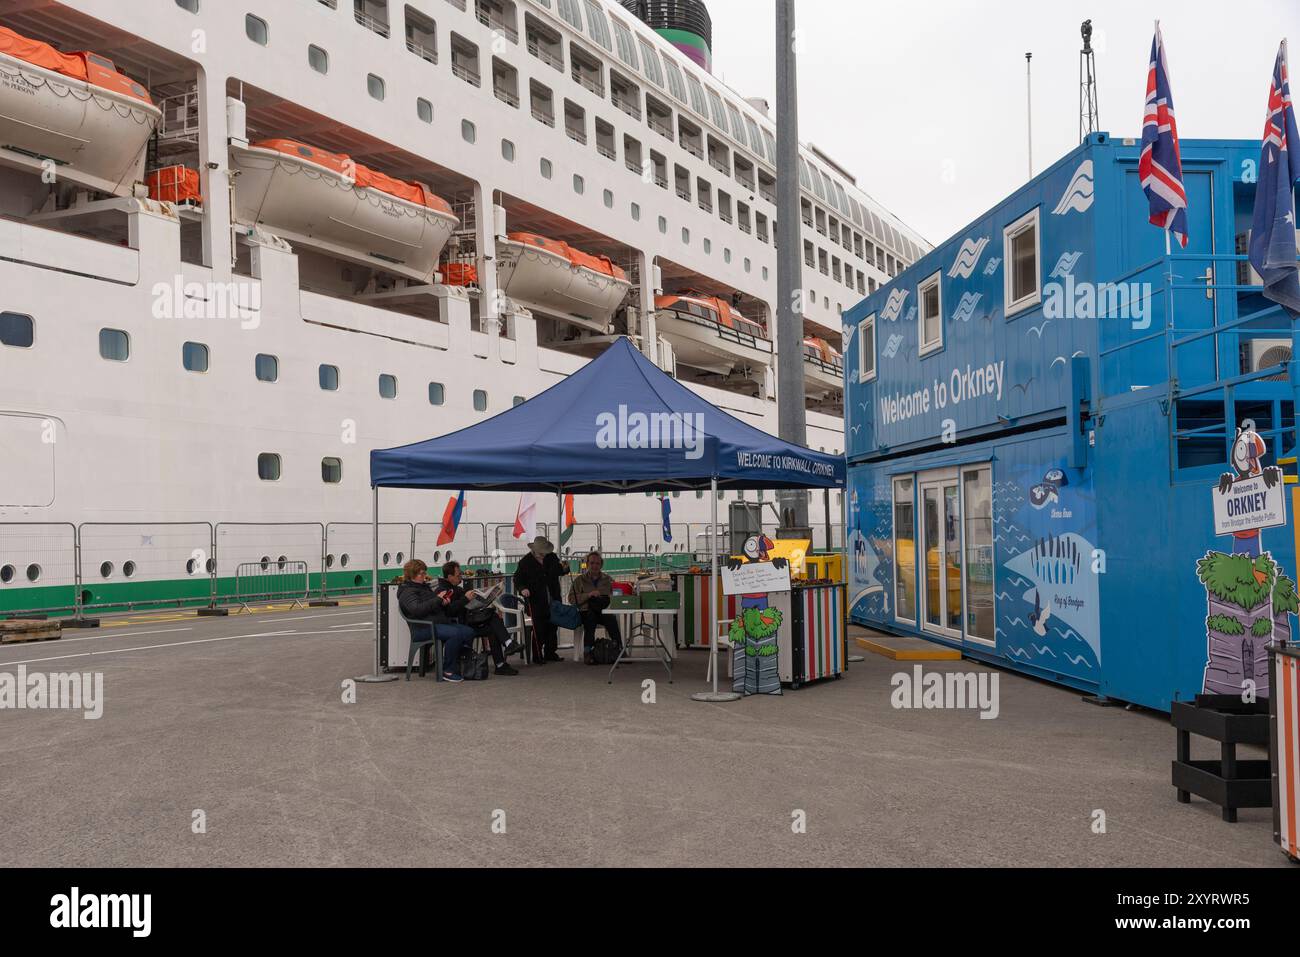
(96, 137)
(311, 204)
(549, 284)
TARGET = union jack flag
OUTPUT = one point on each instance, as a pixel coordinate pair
(1161, 166)
(1273, 228)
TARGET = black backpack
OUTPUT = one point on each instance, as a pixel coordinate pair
(474, 663)
(605, 651)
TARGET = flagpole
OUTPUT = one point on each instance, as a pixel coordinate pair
(715, 695)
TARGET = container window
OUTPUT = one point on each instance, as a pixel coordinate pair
(867, 349)
(1021, 259)
(931, 320)
(977, 515)
(904, 550)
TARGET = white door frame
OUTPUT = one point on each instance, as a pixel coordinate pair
(937, 479)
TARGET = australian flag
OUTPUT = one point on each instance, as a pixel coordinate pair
(1161, 165)
(1272, 233)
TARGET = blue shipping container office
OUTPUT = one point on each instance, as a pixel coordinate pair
(1039, 412)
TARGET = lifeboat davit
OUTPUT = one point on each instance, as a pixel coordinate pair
(708, 334)
(332, 203)
(555, 279)
(75, 109)
(823, 369)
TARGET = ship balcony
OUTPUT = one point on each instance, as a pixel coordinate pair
(591, 83)
(427, 54)
(497, 18)
(607, 151)
(368, 18)
(505, 96)
(543, 117)
(545, 53)
(628, 107)
(466, 73)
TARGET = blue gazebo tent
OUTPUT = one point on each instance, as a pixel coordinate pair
(618, 424)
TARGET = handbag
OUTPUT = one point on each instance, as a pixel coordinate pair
(473, 663)
(565, 616)
(477, 617)
(605, 651)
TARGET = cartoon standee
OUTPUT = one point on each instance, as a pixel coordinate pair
(1249, 598)
(754, 629)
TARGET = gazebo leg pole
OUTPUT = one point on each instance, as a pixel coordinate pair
(377, 676)
(714, 695)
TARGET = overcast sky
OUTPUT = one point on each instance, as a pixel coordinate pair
(900, 92)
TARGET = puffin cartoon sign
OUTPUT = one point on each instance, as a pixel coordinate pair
(1249, 599)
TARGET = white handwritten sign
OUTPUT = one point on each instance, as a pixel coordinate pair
(754, 578)
(1248, 505)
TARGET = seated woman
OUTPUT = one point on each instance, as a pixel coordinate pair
(419, 600)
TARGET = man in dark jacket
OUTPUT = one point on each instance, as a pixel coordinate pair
(420, 601)
(493, 629)
(591, 592)
(537, 582)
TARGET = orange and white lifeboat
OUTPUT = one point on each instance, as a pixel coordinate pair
(708, 334)
(75, 109)
(823, 369)
(330, 202)
(555, 279)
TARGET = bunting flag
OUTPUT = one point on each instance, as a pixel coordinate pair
(451, 518)
(667, 509)
(566, 529)
(526, 517)
(1273, 226)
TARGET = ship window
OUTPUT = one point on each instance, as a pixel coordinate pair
(191, 5)
(318, 59)
(329, 378)
(424, 110)
(626, 48)
(636, 212)
(375, 84)
(726, 255)
(114, 345)
(748, 265)
(508, 151)
(698, 103)
(598, 25)
(1022, 288)
(571, 12)
(609, 199)
(331, 471)
(547, 169)
(437, 394)
(708, 246)
(256, 29)
(867, 349)
(194, 356)
(468, 132)
(480, 400)
(387, 386)
(686, 236)
(579, 184)
(663, 225)
(268, 467)
(518, 400)
(931, 321)
(16, 330)
(675, 85)
(764, 273)
(653, 71)
(267, 367)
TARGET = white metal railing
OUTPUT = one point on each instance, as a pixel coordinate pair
(498, 25)
(578, 136)
(505, 96)
(720, 166)
(633, 166)
(606, 151)
(180, 117)
(746, 228)
(631, 109)
(371, 22)
(692, 149)
(661, 181)
(545, 55)
(424, 53)
(594, 85)
(466, 74)
(725, 217)
(659, 126)
(684, 194)
(541, 117)
(705, 205)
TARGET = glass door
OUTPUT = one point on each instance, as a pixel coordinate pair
(941, 533)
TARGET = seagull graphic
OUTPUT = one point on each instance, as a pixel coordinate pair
(1039, 329)
(1024, 388)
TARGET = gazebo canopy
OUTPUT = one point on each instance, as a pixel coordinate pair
(617, 424)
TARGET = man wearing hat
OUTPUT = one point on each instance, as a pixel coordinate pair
(537, 582)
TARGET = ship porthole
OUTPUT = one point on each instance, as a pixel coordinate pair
(400, 558)
(7, 574)
(388, 558)
(106, 570)
(128, 569)
(211, 566)
(329, 561)
(33, 573)
(282, 561)
(344, 560)
(266, 562)
(192, 567)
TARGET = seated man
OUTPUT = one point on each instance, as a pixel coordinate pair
(493, 628)
(420, 601)
(591, 592)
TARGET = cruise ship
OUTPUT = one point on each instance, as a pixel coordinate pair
(241, 245)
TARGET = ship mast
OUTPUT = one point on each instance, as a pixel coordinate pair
(1089, 120)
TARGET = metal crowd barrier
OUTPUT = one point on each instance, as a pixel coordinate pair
(272, 582)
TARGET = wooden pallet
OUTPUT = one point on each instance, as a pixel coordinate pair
(14, 631)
